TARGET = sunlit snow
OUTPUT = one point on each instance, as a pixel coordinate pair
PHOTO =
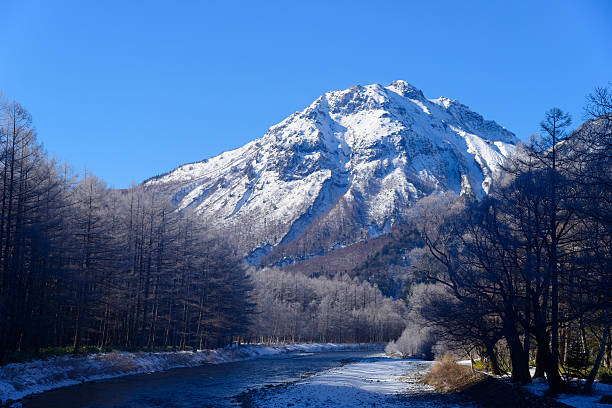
(378, 148)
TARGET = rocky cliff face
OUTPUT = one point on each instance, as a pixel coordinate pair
(345, 168)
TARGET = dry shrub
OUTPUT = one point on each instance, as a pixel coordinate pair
(448, 376)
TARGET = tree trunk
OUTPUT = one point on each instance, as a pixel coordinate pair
(588, 385)
(555, 383)
(520, 370)
(539, 371)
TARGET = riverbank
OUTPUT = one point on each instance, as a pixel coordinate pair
(18, 380)
(377, 381)
(383, 381)
(493, 392)
(600, 390)
(488, 390)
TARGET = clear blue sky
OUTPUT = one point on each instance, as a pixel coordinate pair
(130, 89)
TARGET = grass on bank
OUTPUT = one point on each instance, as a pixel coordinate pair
(448, 376)
(605, 375)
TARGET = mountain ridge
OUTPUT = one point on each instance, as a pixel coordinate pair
(345, 168)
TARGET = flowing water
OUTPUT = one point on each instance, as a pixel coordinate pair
(213, 385)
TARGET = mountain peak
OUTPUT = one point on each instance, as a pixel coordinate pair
(349, 165)
(403, 88)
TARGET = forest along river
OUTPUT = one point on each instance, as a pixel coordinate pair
(213, 385)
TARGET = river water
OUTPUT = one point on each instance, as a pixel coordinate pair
(213, 385)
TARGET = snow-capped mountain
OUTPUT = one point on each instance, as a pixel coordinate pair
(350, 163)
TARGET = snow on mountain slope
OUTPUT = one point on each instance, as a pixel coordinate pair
(372, 150)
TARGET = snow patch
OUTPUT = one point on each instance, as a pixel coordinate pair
(377, 381)
(540, 387)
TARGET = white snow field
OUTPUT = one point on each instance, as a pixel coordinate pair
(21, 379)
(375, 382)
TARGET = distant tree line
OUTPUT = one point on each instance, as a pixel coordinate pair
(293, 307)
(525, 275)
(85, 265)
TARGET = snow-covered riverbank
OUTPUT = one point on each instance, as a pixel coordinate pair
(22, 379)
(378, 381)
(539, 387)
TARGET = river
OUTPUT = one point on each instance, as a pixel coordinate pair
(213, 385)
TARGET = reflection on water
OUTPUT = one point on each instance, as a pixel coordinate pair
(206, 386)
